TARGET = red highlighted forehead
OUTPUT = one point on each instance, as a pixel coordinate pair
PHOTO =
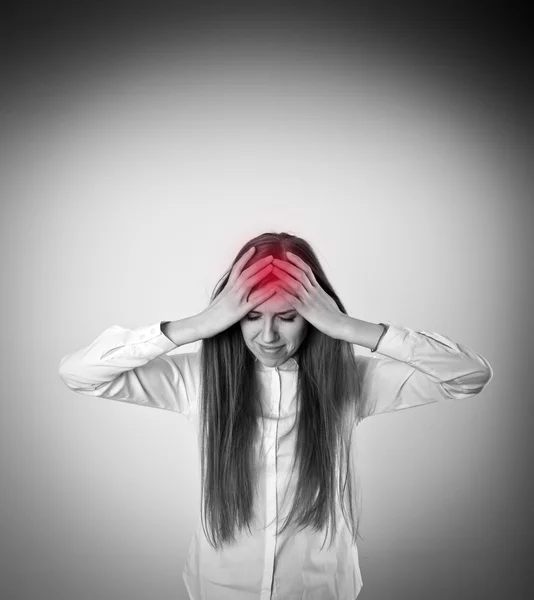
(276, 303)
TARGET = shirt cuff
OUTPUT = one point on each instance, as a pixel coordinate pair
(154, 335)
(386, 328)
(398, 342)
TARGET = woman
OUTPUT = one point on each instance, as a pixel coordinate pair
(275, 392)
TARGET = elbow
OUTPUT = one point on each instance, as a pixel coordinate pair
(487, 373)
(478, 380)
(470, 385)
(65, 372)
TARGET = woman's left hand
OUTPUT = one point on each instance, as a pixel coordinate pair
(297, 285)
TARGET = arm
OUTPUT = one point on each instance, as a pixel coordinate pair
(415, 368)
(361, 332)
(131, 366)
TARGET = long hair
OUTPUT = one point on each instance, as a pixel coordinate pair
(328, 394)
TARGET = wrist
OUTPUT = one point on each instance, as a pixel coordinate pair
(183, 331)
(362, 333)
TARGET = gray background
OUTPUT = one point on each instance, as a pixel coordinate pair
(140, 150)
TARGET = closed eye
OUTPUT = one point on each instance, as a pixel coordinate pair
(289, 320)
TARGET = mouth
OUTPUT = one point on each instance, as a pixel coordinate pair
(270, 349)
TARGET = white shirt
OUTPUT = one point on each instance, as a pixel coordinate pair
(414, 368)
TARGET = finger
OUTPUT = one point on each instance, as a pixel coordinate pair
(286, 290)
(303, 266)
(260, 296)
(238, 267)
(285, 284)
(256, 267)
(292, 285)
(296, 272)
(285, 276)
(293, 300)
(251, 281)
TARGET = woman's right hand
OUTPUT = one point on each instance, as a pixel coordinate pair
(233, 303)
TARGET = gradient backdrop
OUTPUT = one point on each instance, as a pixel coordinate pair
(142, 146)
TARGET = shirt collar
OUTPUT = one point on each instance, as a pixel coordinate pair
(290, 365)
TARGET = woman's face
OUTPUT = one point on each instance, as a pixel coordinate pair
(273, 324)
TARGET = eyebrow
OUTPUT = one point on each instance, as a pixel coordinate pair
(280, 313)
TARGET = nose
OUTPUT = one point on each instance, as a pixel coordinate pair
(269, 334)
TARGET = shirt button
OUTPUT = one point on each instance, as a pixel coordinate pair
(152, 331)
(142, 336)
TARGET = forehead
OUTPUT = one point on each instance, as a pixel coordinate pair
(274, 304)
